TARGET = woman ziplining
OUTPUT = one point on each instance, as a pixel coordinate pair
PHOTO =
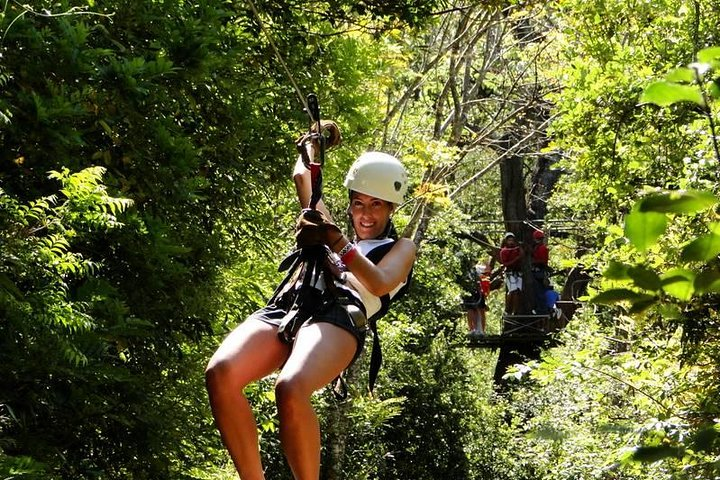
(314, 326)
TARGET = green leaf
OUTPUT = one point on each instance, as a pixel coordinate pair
(707, 55)
(644, 228)
(617, 295)
(617, 271)
(679, 282)
(702, 249)
(681, 75)
(707, 282)
(655, 453)
(670, 311)
(714, 89)
(643, 304)
(644, 278)
(665, 93)
(678, 201)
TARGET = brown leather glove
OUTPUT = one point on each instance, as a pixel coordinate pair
(314, 228)
(328, 128)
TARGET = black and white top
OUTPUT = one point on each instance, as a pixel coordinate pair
(375, 307)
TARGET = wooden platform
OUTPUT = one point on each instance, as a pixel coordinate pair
(497, 341)
(517, 329)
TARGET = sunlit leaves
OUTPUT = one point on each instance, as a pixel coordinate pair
(648, 220)
(703, 248)
(87, 200)
(680, 201)
(686, 84)
(644, 228)
(432, 193)
(666, 93)
(617, 271)
(681, 75)
(678, 282)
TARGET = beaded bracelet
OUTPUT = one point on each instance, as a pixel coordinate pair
(347, 253)
(349, 256)
(348, 246)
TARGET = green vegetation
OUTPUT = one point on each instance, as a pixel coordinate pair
(145, 153)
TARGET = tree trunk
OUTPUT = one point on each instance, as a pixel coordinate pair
(338, 425)
(512, 190)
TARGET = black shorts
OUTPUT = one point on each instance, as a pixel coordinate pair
(474, 301)
(334, 313)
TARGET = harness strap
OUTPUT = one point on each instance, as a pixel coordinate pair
(376, 354)
(316, 180)
(375, 358)
(308, 264)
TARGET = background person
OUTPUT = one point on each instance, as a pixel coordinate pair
(539, 267)
(511, 256)
(476, 304)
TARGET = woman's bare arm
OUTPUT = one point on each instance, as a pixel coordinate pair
(392, 270)
(303, 183)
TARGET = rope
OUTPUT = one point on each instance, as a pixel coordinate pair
(280, 58)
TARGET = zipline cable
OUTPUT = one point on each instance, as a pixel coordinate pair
(311, 108)
(281, 60)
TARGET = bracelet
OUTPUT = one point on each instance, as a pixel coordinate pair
(348, 256)
(348, 246)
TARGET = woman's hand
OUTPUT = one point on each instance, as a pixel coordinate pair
(314, 228)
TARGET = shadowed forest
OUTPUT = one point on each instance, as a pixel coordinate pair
(146, 201)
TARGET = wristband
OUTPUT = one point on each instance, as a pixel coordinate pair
(343, 251)
(348, 256)
(348, 246)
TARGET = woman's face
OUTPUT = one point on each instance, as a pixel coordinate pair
(370, 215)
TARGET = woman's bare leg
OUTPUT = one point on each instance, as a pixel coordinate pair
(320, 353)
(471, 319)
(250, 352)
(482, 321)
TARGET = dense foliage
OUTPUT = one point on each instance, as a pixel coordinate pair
(145, 149)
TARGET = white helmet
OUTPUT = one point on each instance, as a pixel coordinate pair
(379, 175)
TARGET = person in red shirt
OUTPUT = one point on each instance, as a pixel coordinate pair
(511, 256)
(540, 252)
(539, 257)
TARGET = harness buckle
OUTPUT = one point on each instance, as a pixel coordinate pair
(357, 316)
